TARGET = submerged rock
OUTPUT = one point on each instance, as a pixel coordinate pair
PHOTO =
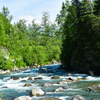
(47, 84)
(30, 78)
(37, 92)
(78, 97)
(23, 98)
(41, 70)
(27, 84)
(15, 77)
(35, 82)
(55, 77)
(38, 78)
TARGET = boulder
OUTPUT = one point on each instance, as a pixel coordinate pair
(36, 91)
(30, 78)
(69, 73)
(54, 62)
(38, 78)
(47, 84)
(4, 72)
(27, 84)
(78, 97)
(23, 81)
(72, 78)
(83, 78)
(59, 89)
(23, 98)
(4, 87)
(15, 77)
(15, 68)
(64, 81)
(55, 77)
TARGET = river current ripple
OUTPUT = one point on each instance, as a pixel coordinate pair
(11, 89)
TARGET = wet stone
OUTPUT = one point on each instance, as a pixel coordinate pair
(38, 78)
(27, 84)
(55, 77)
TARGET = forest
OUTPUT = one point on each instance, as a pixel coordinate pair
(26, 45)
(79, 23)
(75, 39)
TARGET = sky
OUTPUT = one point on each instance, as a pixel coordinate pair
(31, 9)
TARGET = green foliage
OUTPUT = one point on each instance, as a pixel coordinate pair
(2, 33)
(28, 45)
(6, 23)
(80, 49)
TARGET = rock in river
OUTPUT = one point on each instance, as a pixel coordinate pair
(60, 89)
(78, 97)
(37, 92)
(38, 78)
(27, 84)
(15, 77)
(23, 98)
(47, 84)
(55, 77)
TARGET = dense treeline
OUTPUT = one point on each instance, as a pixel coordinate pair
(23, 45)
(79, 22)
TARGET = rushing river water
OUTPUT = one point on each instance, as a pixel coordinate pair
(11, 89)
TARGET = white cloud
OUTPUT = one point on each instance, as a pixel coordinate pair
(29, 19)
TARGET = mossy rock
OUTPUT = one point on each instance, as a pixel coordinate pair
(30, 78)
(27, 84)
(83, 78)
(55, 77)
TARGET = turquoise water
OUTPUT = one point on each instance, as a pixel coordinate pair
(11, 89)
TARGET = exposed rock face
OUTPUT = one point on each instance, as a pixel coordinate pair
(15, 77)
(78, 97)
(55, 77)
(23, 98)
(47, 84)
(27, 84)
(37, 92)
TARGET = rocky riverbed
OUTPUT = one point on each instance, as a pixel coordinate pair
(49, 83)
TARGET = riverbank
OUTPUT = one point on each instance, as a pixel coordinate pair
(27, 67)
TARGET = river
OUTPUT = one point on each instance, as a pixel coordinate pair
(11, 89)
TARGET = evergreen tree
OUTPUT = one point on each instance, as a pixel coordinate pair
(2, 33)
